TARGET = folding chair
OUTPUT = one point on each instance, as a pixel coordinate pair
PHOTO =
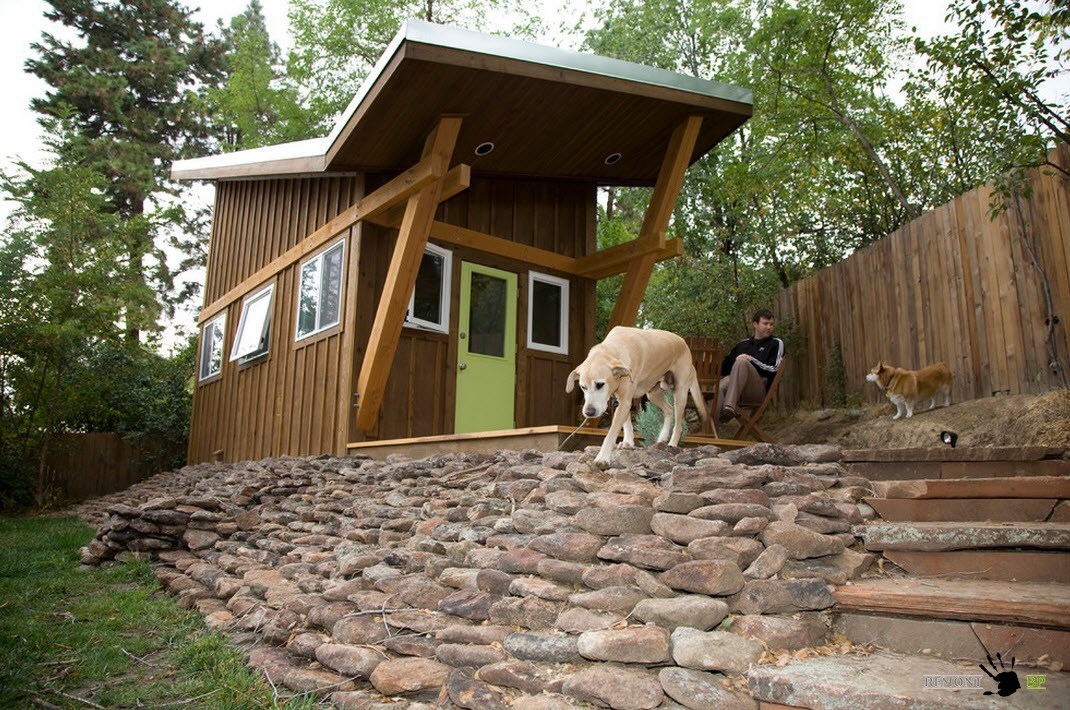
(748, 416)
(707, 354)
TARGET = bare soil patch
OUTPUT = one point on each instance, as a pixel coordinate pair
(1010, 420)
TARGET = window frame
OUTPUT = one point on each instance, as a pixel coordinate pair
(320, 257)
(268, 292)
(445, 292)
(565, 286)
(201, 376)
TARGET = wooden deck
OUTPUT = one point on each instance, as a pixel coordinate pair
(540, 438)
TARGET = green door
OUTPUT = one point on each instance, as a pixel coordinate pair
(486, 350)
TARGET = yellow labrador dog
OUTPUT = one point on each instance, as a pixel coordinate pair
(632, 362)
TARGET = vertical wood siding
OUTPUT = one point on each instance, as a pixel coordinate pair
(952, 285)
(421, 390)
(293, 401)
(284, 403)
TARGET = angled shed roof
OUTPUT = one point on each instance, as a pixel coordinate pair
(550, 113)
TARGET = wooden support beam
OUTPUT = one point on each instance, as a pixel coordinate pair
(652, 234)
(614, 262)
(455, 182)
(632, 291)
(670, 180)
(419, 176)
(460, 236)
(401, 277)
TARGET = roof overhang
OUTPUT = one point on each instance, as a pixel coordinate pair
(550, 113)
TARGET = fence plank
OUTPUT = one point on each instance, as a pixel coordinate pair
(952, 285)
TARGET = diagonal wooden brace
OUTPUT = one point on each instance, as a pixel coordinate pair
(651, 237)
(401, 276)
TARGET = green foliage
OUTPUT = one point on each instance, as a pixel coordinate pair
(128, 88)
(106, 635)
(254, 106)
(65, 363)
(337, 42)
(649, 420)
(978, 101)
(830, 161)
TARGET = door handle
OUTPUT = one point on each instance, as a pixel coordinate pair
(462, 366)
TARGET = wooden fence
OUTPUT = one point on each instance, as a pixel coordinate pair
(79, 466)
(952, 285)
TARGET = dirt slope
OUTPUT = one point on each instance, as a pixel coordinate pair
(1014, 420)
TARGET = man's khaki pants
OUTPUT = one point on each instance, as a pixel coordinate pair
(742, 385)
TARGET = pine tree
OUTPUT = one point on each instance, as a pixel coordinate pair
(253, 107)
(130, 82)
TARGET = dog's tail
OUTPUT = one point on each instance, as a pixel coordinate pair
(700, 403)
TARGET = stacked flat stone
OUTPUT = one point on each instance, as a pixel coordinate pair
(519, 579)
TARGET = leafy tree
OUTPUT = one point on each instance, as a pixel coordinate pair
(337, 42)
(65, 365)
(253, 106)
(982, 91)
(130, 80)
(61, 261)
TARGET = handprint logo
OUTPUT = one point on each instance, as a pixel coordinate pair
(1006, 680)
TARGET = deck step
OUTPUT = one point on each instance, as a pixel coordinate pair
(955, 640)
(1002, 462)
(963, 536)
(1029, 603)
(886, 681)
(1012, 487)
(963, 509)
(1007, 565)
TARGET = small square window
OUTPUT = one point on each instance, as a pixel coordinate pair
(212, 346)
(319, 303)
(254, 328)
(429, 307)
(547, 313)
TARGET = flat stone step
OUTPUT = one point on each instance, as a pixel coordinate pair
(1028, 603)
(982, 453)
(950, 509)
(963, 536)
(956, 640)
(1007, 565)
(887, 681)
(1005, 487)
(904, 470)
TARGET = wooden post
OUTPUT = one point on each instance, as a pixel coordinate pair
(401, 276)
(656, 221)
(632, 291)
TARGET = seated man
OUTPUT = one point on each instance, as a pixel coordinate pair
(749, 368)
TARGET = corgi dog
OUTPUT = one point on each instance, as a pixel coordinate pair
(906, 388)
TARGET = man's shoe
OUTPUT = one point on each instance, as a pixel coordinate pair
(727, 414)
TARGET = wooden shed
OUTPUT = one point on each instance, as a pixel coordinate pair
(429, 267)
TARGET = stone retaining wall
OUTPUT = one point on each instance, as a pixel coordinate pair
(520, 579)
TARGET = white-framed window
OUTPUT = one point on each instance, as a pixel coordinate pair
(319, 299)
(254, 328)
(212, 335)
(547, 313)
(429, 306)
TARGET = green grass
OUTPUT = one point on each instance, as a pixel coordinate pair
(74, 636)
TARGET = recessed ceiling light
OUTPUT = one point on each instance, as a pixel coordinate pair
(484, 148)
(612, 158)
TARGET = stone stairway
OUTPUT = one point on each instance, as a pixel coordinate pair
(974, 559)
